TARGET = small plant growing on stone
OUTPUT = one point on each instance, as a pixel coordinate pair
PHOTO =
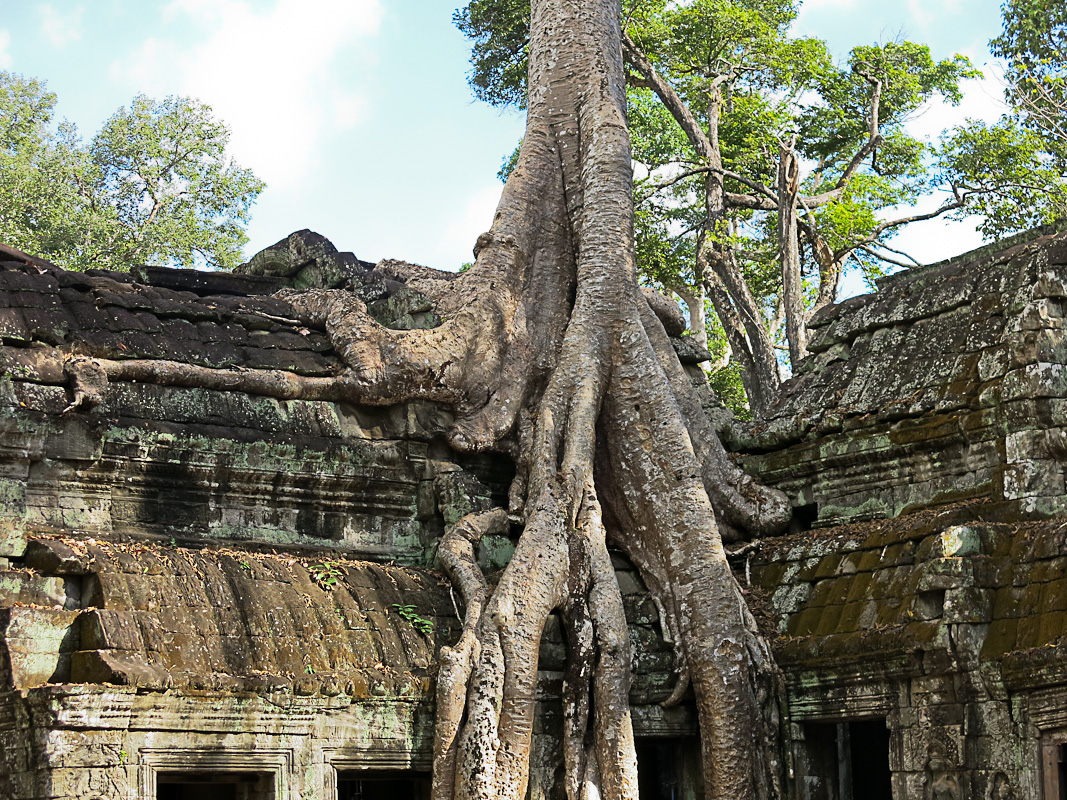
(411, 614)
(327, 574)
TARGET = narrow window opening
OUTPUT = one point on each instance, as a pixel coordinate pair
(383, 786)
(1061, 772)
(1054, 766)
(804, 517)
(214, 786)
(869, 751)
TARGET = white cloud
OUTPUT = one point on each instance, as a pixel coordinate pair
(812, 11)
(61, 27)
(5, 42)
(982, 99)
(271, 74)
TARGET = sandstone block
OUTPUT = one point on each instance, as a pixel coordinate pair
(117, 667)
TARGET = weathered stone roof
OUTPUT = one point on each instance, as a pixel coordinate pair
(176, 617)
(212, 319)
(899, 598)
(948, 383)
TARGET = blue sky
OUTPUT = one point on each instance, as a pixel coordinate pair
(357, 113)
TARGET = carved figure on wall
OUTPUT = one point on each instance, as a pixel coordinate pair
(1002, 788)
(941, 781)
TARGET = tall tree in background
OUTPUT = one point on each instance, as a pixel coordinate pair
(723, 108)
(1034, 45)
(1016, 168)
(752, 103)
(37, 196)
(155, 185)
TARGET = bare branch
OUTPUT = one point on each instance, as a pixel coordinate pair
(888, 259)
(732, 199)
(666, 93)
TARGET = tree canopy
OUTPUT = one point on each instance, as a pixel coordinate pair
(154, 185)
(1016, 168)
(764, 167)
(1034, 45)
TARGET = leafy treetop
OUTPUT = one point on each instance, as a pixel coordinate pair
(154, 185)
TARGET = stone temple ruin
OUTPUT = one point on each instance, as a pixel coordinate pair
(213, 594)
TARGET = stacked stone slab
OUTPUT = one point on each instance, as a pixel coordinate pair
(948, 383)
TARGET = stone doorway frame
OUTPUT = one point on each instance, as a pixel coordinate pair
(153, 760)
(355, 759)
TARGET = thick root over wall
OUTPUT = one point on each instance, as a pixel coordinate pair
(551, 353)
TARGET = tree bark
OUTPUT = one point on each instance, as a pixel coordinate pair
(693, 297)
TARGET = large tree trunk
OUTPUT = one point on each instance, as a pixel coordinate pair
(608, 452)
(550, 352)
(796, 328)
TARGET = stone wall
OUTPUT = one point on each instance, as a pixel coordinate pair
(949, 625)
(213, 581)
(949, 383)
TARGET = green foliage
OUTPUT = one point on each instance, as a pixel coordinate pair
(908, 77)
(36, 197)
(171, 192)
(411, 614)
(155, 185)
(326, 575)
(1034, 44)
(509, 164)
(1016, 182)
(726, 382)
(500, 30)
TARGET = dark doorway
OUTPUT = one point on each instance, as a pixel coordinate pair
(383, 786)
(845, 761)
(669, 769)
(1054, 766)
(1061, 772)
(214, 786)
(869, 749)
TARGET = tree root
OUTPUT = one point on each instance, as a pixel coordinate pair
(456, 555)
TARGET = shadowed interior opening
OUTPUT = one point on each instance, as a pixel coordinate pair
(365, 785)
(214, 786)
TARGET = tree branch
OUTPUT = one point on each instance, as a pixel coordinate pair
(669, 97)
(739, 200)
